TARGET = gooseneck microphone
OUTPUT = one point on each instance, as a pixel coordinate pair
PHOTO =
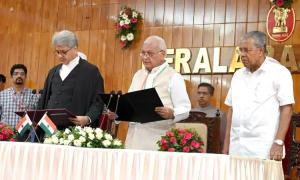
(116, 110)
(27, 106)
(112, 93)
(108, 125)
(32, 130)
(41, 91)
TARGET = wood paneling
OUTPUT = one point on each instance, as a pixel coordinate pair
(27, 26)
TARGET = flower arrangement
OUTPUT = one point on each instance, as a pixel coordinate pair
(127, 26)
(181, 140)
(282, 3)
(7, 133)
(84, 137)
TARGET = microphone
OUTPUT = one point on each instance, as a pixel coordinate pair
(108, 125)
(117, 122)
(33, 128)
(41, 91)
(33, 92)
(112, 93)
(27, 106)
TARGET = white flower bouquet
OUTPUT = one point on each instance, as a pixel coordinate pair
(84, 137)
(128, 19)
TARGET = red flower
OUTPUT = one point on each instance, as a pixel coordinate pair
(123, 44)
(10, 131)
(171, 150)
(181, 130)
(186, 149)
(163, 141)
(200, 150)
(134, 20)
(280, 3)
(118, 26)
(4, 131)
(12, 139)
(1, 137)
(127, 11)
(170, 133)
(183, 142)
(165, 146)
(1, 125)
(173, 140)
(195, 145)
(126, 26)
(188, 135)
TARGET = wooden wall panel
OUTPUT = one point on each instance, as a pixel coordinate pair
(189, 12)
(219, 11)
(242, 10)
(199, 12)
(159, 12)
(27, 26)
(230, 11)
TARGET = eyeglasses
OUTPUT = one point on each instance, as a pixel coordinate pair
(148, 54)
(63, 53)
(245, 50)
(18, 73)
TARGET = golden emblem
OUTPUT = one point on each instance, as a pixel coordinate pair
(280, 23)
(280, 16)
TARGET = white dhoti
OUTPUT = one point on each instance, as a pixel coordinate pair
(144, 136)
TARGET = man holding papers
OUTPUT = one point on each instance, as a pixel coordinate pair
(74, 84)
(171, 89)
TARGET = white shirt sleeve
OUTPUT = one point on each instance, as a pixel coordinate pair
(284, 87)
(179, 96)
(228, 100)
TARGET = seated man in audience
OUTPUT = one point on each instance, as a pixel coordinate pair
(171, 89)
(205, 94)
(2, 82)
(16, 98)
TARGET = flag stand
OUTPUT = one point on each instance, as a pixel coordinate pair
(33, 130)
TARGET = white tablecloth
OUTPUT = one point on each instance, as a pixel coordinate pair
(41, 161)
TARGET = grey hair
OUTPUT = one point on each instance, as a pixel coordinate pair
(64, 38)
(258, 37)
(161, 41)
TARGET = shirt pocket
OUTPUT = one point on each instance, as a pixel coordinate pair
(263, 92)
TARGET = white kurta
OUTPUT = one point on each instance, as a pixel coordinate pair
(171, 89)
(256, 99)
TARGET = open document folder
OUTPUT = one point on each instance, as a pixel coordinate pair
(137, 106)
(58, 116)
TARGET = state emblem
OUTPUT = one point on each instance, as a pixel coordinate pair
(280, 23)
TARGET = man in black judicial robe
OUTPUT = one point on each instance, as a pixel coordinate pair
(75, 84)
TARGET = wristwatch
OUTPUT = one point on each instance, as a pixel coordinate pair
(279, 142)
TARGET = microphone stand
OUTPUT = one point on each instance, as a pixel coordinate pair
(108, 125)
(117, 122)
(34, 125)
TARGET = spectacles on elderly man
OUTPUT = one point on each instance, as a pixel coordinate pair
(245, 50)
(150, 54)
(63, 53)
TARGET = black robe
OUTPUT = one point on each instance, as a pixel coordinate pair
(86, 94)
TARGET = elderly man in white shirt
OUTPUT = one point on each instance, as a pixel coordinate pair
(260, 100)
(171, 89)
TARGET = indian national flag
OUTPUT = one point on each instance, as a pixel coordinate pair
(47, 125)
(24, 124)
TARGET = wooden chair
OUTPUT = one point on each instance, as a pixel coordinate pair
(213, 129)
(200, 128)
(294, 157)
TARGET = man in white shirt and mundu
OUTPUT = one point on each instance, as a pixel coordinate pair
(260, 100)
(171, 89)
